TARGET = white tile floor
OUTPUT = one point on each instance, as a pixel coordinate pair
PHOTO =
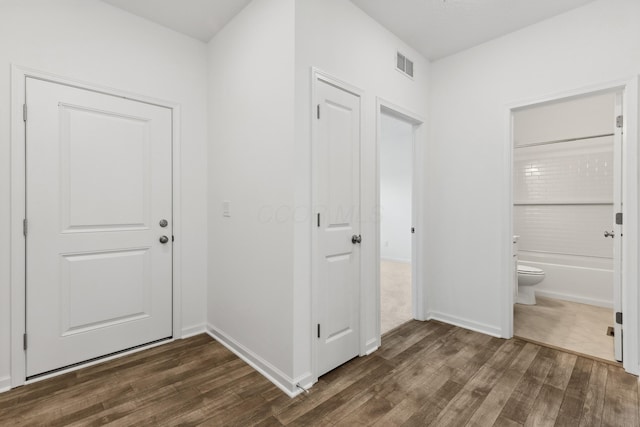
(568, 325)
(395, 294)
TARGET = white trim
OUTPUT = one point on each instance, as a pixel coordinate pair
(318, 75)
(630, 243)
(17, 253)
(5, 384)
(418, 161)
(270, 372)
(191, 331)
(483, 328)
(372, 345)
(574, 298)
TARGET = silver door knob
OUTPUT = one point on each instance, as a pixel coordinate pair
(164, 239)
(356, 239)
(164, 223)
(609, 234)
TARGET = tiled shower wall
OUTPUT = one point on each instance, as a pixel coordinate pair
(564, 197)
(563, 203)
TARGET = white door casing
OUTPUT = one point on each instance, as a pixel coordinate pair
(417, 304)
(98, 181)
(337, 165)
(628, 289)
(617, 229)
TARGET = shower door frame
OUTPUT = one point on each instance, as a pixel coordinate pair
(629, 180)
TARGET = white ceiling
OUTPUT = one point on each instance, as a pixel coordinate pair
(436, 28)
(200, 19)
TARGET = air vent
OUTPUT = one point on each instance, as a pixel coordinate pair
(404, 64)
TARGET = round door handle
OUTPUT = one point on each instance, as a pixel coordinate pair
(609, 234)
(164, 239)
(356, 238)
(164, 223)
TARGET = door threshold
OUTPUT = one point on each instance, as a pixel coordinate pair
(96, 360)
(566, 350)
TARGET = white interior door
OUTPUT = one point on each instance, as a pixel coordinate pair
(338, 226)
(618, 232)
(98, 185)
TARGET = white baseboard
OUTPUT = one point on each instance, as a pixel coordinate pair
(466, 324)
(371, 346)
(5, 384)
(193, 330)
(273, 374)
(574, 298)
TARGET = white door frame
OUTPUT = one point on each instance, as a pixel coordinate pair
(417, 220)
(630, 245)
(317, 76)
(18, 201)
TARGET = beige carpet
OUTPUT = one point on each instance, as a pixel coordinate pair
(395, 294)
(577, 327)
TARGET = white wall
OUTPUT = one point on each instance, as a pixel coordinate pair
(341, 40)
(93, 42)
(563, 196)
(468, 174)
(251, 165)
(396, 160)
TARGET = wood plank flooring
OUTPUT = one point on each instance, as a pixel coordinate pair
(425, 373)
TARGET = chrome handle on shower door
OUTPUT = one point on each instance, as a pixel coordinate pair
(609, 234)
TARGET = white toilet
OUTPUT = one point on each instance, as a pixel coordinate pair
(528, 277)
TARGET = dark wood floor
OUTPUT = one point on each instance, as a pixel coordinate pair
(426, 373)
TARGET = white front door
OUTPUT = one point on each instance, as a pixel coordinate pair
(99, 280)
(338, 225)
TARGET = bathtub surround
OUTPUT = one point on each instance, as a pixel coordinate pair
(563, 196)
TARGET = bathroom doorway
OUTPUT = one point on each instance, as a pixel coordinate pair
(567, 191)
(397, 226)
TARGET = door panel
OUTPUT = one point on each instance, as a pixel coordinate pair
(98, 183)
(338, 174)
(103, 289)
(95, 197)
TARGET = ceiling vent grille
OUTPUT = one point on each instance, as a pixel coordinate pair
(404, 64)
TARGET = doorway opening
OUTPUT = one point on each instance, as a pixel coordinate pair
(567, 189)
(396, 156)
(398, 206)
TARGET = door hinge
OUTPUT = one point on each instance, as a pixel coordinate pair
(173, 238)
(318, 111)
(318, 219)
(318, 330)
(25, 226)
(24, 341)
(24, 112)
(619, 121)
(619, 218)
(413, 230)
(619, 318)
